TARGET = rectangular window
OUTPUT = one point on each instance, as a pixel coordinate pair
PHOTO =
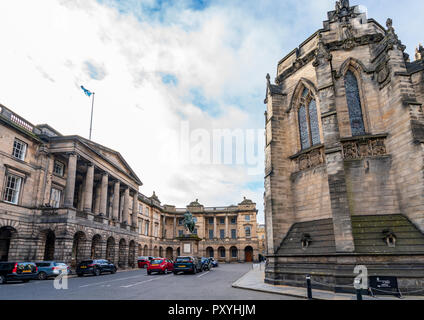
(247, 218)
(140, 209)
(146, 228)
(195, 231)
(140, 226)
(233, 220)
(59, 168)
(19, 149)
(234, 252)
(210, 220)
(180, 221)
(156, 230)
(210, 234)
(233, 234)
(55, 197)
(180, 233)
(147, 211)
(222, 233)
(222, 220)
(12, 189)
(247, 230)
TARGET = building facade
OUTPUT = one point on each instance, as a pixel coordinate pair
(67, 198)
(344, 183)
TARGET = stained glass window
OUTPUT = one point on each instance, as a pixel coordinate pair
(308, 121)
(313, 119)
(303, 126)
(354, 104)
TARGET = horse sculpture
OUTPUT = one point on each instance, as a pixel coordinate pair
(189, 222)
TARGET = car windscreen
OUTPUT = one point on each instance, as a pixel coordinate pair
(184, 259)
(156, 261)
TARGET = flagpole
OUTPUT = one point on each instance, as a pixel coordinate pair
(91, 121)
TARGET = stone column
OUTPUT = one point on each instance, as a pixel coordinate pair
(103, 194)
(135, 210)
(97, 200)
(226, 226)
(214, 227)
(175, 227)
(115, 206)
(70, 181)
(126, 206)
(163, 226)
(88, 188)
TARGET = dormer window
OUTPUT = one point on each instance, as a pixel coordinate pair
(308, 120)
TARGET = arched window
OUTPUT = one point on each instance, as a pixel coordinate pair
(354, 104)
(308, 120)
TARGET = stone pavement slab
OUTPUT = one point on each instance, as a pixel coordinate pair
(254, 280)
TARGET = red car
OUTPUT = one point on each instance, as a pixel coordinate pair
(143, 263)
(160, 265)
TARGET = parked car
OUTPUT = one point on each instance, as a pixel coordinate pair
(48, 269)
(187, 264)
(95, 267)
(206, 263)
(160, 265)
(18, 271)
(143, 262)
(214, 263)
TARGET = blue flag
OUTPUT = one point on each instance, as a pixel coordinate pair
(87, 92)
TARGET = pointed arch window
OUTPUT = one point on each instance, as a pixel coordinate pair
(308, 120)
(354, 104)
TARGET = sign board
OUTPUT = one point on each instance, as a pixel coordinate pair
(384, 286)
(187, 248)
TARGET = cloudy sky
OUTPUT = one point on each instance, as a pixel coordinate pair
(166, 74)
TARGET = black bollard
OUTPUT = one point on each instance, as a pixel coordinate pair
(358, 294)
(308, 284)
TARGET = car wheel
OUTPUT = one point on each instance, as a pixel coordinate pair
(149, 272)
(25, 281)
(113, 271)
(96, 272)
(2, 279)
(42, 276)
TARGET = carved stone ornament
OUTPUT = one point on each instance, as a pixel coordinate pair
(343, 11)
(349, 37)
(322, 54)
(355, 150)
(392, 38)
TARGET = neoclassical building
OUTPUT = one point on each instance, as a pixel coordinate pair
(67, 198)
(344, 182)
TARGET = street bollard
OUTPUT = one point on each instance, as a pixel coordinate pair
(358, 294)
(308, 284)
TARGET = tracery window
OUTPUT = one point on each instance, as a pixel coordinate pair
(308, 120)
(354, 104)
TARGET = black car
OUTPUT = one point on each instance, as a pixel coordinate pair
(95, 267)
(17, 271)
(187, 264)
(206, 263)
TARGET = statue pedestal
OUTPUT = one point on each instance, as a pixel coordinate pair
(189, 245)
